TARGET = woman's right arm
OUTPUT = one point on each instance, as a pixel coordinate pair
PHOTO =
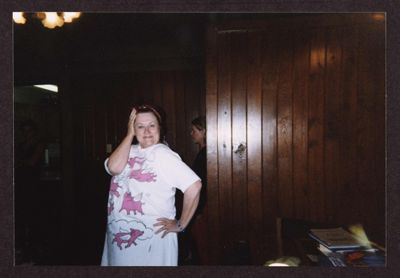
(119, 157)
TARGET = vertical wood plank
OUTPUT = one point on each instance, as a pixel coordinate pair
(189, 148)
(111, 119)
(285, 121)
(138, 85)
(214, 234)
(125, 99)
(315, 125)
(333, 119)
(365, 109)
(201, 92)
(254, 142)
(301, 66)
(270, 63)
(148, 88)
(157, 88)
(224, 139)
(169, 107)
(192, 108)
(349, 126)
(239, 120)
(182, 133)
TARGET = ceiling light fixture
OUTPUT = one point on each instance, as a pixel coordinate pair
(49, 19)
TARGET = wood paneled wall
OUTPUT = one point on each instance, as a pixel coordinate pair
(104, 105)
(306, 98)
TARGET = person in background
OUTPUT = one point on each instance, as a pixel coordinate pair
(141, 225)
(198, 227)
(29, 153)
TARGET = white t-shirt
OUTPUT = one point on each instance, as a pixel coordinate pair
(143, 192)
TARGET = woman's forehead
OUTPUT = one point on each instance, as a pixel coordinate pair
(145, 117)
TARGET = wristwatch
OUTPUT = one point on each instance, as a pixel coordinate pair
(178, 223)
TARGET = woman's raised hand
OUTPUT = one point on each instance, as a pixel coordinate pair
(131, 128)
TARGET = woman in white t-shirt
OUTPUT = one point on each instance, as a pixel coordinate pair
(141, 227)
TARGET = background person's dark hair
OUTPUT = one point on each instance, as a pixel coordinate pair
(200, 123)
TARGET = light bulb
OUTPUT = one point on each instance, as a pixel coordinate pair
(69, 16)
(19, 18)
(52, 20)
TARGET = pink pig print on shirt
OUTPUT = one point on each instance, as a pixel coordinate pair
(139, 174)
(114, 188)
(129, 204)
(133, 235)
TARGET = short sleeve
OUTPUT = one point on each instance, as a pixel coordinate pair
(131, 151)
(175, 172)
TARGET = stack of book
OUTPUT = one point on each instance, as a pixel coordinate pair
(335, 239)
(341, 248)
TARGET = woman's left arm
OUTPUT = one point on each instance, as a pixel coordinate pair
(190, 202)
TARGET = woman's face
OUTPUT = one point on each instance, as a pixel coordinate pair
(198, 135)
(147, 129)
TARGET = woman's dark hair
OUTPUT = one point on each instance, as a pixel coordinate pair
(158, 113)
(200, 123)
(149, 108)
